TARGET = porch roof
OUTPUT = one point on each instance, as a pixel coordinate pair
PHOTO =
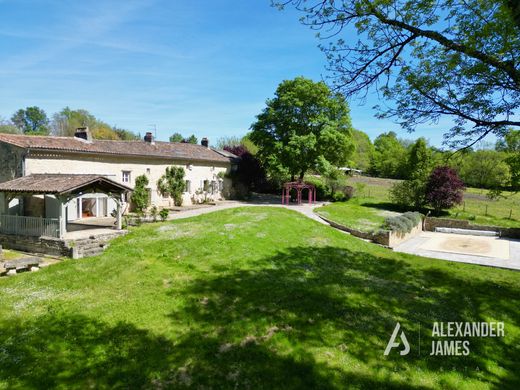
(61, 184)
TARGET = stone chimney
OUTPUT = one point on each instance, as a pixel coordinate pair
(204, 142)
(83, 133)
(148, 137)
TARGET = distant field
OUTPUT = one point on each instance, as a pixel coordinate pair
(476, 207)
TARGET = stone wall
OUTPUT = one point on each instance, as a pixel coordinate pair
(90, 246)
(44, 245)
(430, 223)
(383, 237)
(11, 162)
(395, 238)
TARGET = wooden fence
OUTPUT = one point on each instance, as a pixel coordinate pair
(30, 226)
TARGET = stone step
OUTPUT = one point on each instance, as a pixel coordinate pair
(92, 252)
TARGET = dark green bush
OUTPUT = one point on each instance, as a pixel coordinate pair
(164, 214)
(339, 196)
(322, 189)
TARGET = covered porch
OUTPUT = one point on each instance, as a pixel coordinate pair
(60, 206)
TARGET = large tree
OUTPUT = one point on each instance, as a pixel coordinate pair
(485, 169)
(31, 120)
(304, 123)
(412, 191)
(432, 58)
(389, 157)
(364, 150)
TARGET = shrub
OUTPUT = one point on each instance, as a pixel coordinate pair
(172, 183)
(140, 193)
(322, 189)
(409, 193)
(413, 216)
(154, 212)
(164, 214)
(338, 196)
(403, 223)
(348, 191)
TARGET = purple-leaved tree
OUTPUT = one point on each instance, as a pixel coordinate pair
(444, 189)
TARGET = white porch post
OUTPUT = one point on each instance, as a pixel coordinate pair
(119, 222)
(62, 215)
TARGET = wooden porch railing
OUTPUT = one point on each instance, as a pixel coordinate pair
(30, 226)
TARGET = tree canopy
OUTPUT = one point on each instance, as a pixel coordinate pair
(304, 123)
(31, 120)
(65, 123)
(389, 155)
(178, 137)
(431, 58)
(363, 152)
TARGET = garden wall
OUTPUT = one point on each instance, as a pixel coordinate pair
(77, 248)
(383, 237)
(430, 223)
(48, 246)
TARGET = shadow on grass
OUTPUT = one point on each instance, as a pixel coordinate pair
(71, 351)
(302, 318)
(346, 304)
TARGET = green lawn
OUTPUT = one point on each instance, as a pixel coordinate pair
(251, 298)
(355, 214)
(10, 255)
(476, 207)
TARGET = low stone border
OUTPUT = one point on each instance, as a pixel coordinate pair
(386, 238)
(430, 223)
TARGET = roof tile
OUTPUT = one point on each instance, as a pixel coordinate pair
(173, 150)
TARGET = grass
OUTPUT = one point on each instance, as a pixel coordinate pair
(8, 254)
(251, 298)
(355, 214)
(476, 208)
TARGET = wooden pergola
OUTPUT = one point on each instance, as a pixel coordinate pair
(299, 186)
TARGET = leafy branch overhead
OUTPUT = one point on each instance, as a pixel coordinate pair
(432, 59)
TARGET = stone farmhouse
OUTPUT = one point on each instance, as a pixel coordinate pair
(68, 179)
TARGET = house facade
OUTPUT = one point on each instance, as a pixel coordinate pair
(119, 161)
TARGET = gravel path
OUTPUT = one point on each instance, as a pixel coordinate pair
(305, 209)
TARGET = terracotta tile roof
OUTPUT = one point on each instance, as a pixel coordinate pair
(61, 184)
(173, 150)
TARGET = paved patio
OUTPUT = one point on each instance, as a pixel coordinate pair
(462, 248)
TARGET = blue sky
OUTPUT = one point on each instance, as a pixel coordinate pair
(198, 66)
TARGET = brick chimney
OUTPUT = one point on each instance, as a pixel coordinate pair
(83, 133)
(148, 137)
(204, 142)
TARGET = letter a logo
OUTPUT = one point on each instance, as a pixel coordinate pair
(393, 344)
